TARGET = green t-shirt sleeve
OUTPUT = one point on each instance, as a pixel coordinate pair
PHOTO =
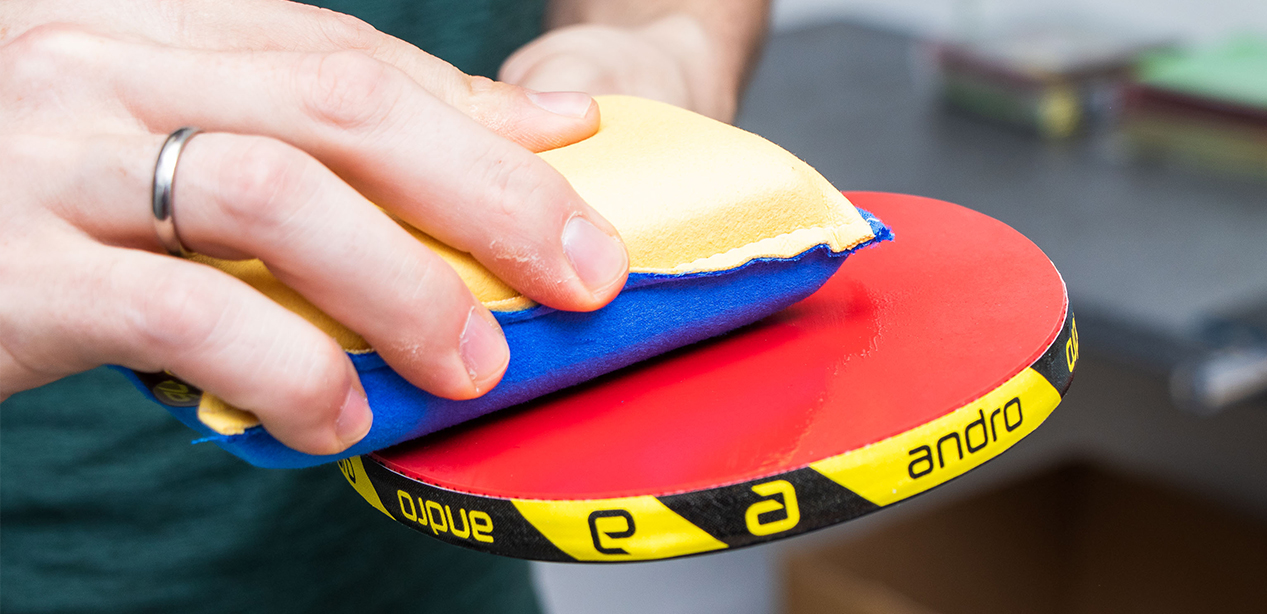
(473, 35)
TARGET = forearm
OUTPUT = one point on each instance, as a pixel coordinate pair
(716, 40)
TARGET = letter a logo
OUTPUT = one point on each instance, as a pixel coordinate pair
(783, 490)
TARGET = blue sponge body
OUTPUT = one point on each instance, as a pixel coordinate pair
(551, 349)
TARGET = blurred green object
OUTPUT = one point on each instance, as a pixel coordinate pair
(1203, 108)
(1234, 72)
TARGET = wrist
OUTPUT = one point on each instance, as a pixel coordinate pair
(712, 83)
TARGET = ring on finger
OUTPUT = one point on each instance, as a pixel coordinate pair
(164, 182)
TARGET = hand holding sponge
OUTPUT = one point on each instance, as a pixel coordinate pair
(723, 228)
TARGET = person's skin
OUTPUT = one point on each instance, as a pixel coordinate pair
(691, 53)
(310, 119)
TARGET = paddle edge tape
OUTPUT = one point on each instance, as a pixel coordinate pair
(826, 492)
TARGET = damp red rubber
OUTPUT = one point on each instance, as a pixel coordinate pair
(921, 359)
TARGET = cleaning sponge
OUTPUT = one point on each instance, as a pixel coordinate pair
(723, 228)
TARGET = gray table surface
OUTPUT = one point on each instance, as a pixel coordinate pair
(1151, 246)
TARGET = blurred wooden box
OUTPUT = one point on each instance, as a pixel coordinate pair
(1077, 540)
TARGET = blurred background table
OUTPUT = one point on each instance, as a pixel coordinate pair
(1150, 254)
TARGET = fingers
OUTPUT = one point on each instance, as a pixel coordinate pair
(235, 196)
(407, 151)
(570, 116)
(537, 122)
(86, 304)
(239, 196)
(402, 147)
(242, 197)
(385, 135)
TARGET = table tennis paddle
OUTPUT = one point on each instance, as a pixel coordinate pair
(915, 364)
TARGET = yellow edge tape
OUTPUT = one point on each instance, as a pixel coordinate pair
(910, 463)
(354, 472)
(647, 528)
(629, 528)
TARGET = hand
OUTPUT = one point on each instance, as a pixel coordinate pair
(311, 119)
(671, 59)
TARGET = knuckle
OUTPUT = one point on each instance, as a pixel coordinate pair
(44, 52)
(52, 40)
(263, 184)
(169, 312)
(350, 90)
(431, 285)
(344, 31)
(304, 392)
(491, 103)
(511, 182)
(481, 92)
(309, 381)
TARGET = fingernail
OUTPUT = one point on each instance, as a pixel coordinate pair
(484, 351)
(567, 104)
(355, 417)
(598, 258)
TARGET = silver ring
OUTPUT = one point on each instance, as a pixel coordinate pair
(164, 179)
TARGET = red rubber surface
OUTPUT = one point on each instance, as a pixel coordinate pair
(904, 333)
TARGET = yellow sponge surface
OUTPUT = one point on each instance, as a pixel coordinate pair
(691, 194)
(687, 193)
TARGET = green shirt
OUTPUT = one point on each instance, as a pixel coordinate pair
(105, 506)
(473, 35)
